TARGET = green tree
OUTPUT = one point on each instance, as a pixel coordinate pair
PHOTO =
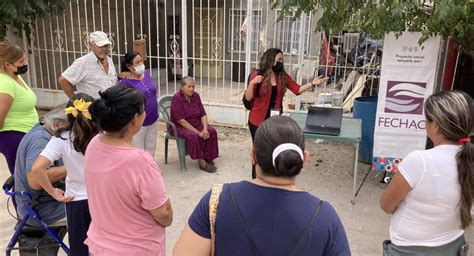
(19, 13)
(447, 18)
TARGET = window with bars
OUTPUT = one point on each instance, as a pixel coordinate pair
(237, 19)
(288, 36)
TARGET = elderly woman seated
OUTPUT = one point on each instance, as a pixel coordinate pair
(190, 118)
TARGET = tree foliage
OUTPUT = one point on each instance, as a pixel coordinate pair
(447, 18)
(19, 13)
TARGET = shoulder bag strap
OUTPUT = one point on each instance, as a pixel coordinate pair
(213, 202)
(242, 222)
(305, 230)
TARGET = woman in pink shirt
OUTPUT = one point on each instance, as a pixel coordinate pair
(127, 199)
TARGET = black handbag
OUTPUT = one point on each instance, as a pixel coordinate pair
(248, 103)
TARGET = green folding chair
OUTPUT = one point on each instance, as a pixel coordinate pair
(164, 106)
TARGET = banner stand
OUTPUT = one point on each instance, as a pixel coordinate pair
(407, 78)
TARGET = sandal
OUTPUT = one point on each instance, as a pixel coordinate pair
(209, 168)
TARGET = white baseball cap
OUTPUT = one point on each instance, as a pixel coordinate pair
(99, 38)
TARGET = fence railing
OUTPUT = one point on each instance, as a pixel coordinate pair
(204, 39)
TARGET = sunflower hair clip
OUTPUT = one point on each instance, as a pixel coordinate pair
(80, 106)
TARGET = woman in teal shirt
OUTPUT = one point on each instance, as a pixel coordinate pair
(17, 101)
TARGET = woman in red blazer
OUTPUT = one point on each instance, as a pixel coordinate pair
(274, 82)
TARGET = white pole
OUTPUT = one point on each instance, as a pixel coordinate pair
(42, 79)
(25, 47)
(248, 38)
(184, 38)
(299, 77)
(455, 69)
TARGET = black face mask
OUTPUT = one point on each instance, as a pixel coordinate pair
(278, 67)
(21, 70)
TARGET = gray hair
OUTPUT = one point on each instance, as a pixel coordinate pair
(186, 79)
(56, 114)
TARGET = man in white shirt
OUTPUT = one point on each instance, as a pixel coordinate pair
(92, 72)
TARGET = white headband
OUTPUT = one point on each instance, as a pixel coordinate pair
(284, 147)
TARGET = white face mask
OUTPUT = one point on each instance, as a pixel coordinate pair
(140, 69)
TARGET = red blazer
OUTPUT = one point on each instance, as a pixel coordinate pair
(262, 102)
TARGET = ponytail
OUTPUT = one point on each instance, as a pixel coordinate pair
(80, 124)
(464, 160)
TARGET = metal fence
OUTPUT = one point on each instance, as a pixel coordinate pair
(216, 41)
